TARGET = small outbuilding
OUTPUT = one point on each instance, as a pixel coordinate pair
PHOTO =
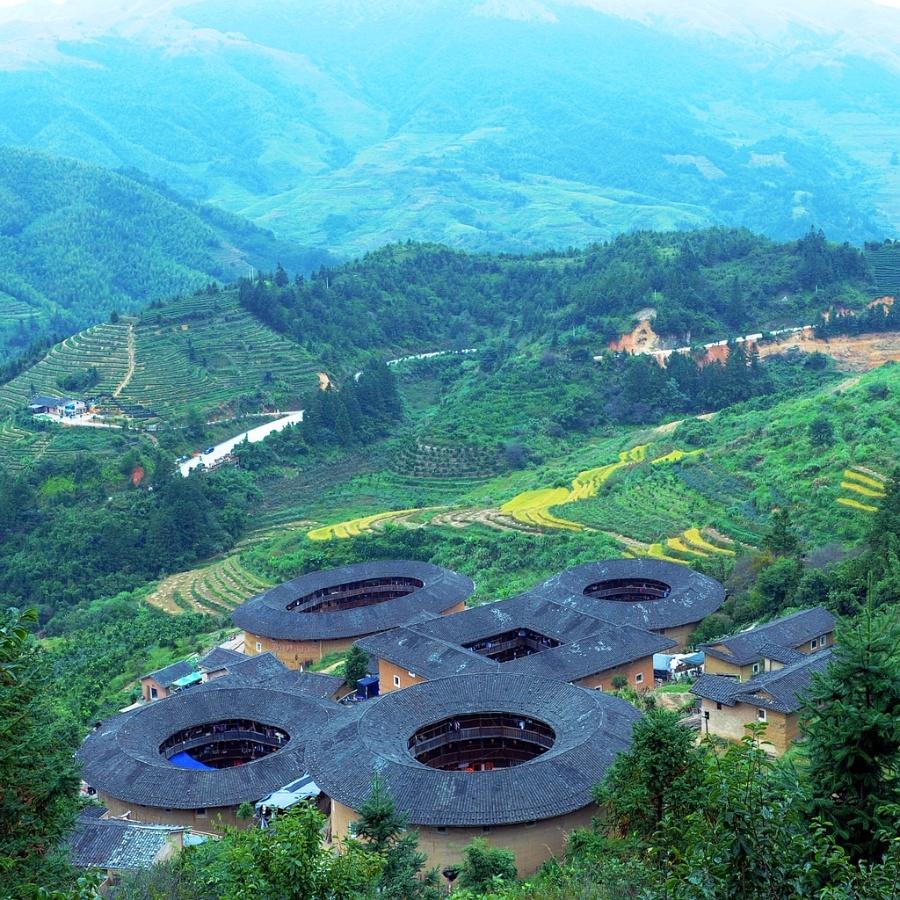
(774, 699)
(117, 847)
(166, 681)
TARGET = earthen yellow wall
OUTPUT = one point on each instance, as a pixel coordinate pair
(294, 654)
(681, 633)
(531, 844)
(630, 671)
(714, 666)
(782, 729)
(387, 671)
(211, 822)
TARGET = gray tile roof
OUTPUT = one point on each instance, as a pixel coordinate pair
(782, 690)
(588, 645)
(425, 655)
(254, 669)
(167, 676)
(692, 596)
(310, 684)
(112, 844)
(219, 658)
(529, 610)
(590, 728)
(788, 632)
(267, 614)
(121, 758)
(605, 649)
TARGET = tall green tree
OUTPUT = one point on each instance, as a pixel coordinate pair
(38, 777)
(286, 861)
(356, 666)
(382, 829)
(661, 775)
(852, 730)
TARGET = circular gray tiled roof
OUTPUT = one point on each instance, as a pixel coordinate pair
(692, 596)
(122, 759)
(591, 728)
(267, 615)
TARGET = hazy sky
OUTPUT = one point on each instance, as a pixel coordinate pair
(42, 3)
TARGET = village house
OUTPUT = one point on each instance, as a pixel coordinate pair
(63, 407)
(771, 646)
(164, 682)
(116, 847)
(773, 699)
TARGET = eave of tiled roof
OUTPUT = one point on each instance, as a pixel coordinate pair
(692, 596)
(787, 632)
(266, 614)
(166, 676)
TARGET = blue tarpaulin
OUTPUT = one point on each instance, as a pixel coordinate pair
(188, 762)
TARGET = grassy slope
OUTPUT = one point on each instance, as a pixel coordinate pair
(754, 461)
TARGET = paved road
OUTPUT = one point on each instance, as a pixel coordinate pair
(220, 451)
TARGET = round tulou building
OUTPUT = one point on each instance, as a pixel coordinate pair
(193, 758)
(663, 597)
(512, 757)
(303, 620)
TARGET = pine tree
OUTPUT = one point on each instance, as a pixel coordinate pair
(853, 735)
(382, 828)
(38, 780)
(660, 775)
(356, 666)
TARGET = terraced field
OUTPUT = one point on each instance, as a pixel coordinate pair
(354, 527)
(885, 266)
(863, 489)
(215, 589)
(204, 349)
(104, 347)
(219, 349)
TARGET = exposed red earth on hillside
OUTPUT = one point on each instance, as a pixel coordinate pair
(851, 354)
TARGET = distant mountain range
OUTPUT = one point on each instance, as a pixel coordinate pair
(484, 124)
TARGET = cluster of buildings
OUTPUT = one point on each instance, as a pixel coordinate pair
(491, 721)
(61, 407)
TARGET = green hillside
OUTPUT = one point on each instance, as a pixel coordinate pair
(77, 241)
(201, 353)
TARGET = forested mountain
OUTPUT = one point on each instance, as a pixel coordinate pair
(701, 285)
(77, 241)
(487, 125)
